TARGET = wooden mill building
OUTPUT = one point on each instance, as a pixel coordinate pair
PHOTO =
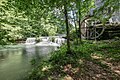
(95, 29)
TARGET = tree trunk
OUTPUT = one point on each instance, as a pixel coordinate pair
(79, 28)
(67, 28)
(79, 11)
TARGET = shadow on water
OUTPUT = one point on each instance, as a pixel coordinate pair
(15, 63)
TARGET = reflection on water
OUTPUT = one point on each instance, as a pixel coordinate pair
(15, 63)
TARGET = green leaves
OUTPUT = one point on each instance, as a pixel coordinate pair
(25, 18)
(105, 11)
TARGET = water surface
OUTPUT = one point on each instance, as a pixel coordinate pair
(15, 61)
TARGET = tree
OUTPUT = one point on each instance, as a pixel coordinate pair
(34, 8)
(43, 13)
(67, 27)
(17, 24)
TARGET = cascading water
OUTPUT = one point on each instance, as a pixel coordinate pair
(59, 40)
(30, 41)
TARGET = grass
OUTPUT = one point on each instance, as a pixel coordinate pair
(87, 61)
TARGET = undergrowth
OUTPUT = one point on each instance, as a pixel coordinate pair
(53, 68)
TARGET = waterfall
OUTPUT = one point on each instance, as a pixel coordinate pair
(30, 41)
(59, 40)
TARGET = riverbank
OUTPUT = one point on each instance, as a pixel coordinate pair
(90, 60)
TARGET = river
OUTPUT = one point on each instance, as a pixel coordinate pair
(15, 61)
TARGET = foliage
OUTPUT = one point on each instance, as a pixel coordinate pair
(40, 17)
(16, 25)
(107, 10)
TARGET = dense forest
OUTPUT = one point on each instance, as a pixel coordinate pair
(22, 19)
